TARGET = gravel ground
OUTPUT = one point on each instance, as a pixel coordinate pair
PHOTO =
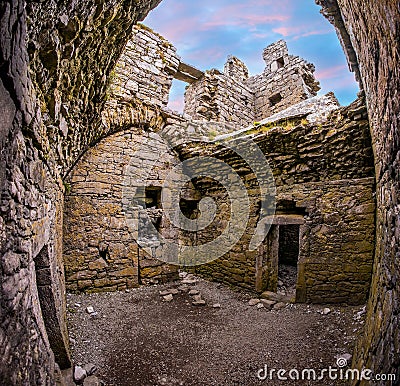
(138, 339)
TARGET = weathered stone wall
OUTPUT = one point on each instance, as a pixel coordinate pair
(73, 47)
(221, 98)
(370, 33)
(179, 130)
(238, 266)
(145, 69)
(236, 69)
(315, 109)
(337, 239)
(326, 173)
(33, 305)
(55, 60)
(101, 252)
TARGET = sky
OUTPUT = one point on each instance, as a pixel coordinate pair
(206, 32)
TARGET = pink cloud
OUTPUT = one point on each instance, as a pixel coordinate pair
(249, 14)
(178, 31)
(331, 72)
(285, 31)
(340, 82)
(223, 19)
(300, 31)
(260, 35)
(203, 54)
(343, 83)
(313, 33)
(269, 3)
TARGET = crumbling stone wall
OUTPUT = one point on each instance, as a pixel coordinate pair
(315, 109)
(101, 250)
(235, 98)
(33, 135)
(217, 97)
(236, 69)
(370, 34)
(258, 270)
(326, 172)
(145, 69)
(100, 245)
(286, 80)
(55, 60)
(72, 63)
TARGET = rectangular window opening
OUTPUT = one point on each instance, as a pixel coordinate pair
(189, 208)
(153, 197)
(280, 62)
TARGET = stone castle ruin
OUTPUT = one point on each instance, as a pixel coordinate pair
(234, 97)
(85, 119)
(319, 153)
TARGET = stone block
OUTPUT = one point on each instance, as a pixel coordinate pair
(268, 304)
(84, 284)
(125, 272)
(273, 296)
(98, 264)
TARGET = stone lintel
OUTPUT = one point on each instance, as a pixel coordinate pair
(285, 219)
(188, 73)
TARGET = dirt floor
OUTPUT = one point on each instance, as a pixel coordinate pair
(139, 338)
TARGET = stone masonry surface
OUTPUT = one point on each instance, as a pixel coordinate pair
(56, 62)
(324, 171)
(320, 156)
(235, 98)
(55, 59)
(370, 35)
(146, 68)
(100, 246)
(105, 255)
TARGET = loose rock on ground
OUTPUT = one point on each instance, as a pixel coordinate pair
(138, 339)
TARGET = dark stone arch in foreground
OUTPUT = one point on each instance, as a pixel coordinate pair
(370, 35)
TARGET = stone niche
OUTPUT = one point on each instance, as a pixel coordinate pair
(103, 223)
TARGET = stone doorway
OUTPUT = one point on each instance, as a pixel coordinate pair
(288, 257)
(279, 265)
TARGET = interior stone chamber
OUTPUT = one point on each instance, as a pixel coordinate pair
(77, 106)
